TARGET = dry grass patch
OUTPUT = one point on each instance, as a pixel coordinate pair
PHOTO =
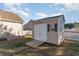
(18, 48)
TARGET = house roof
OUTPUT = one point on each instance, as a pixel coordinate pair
(9, 16)
(28, 26)
(52, 17)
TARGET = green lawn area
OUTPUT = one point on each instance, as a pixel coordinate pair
(18, 48)
(14, 43)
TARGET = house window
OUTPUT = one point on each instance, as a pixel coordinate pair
(52, 29)
(56, 27)
(48, 27)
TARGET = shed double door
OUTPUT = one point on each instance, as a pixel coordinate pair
(40, 32)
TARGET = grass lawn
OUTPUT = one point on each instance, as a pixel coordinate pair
(18, 48)
(14, 43)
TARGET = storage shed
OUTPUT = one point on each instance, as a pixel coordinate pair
(49, 29)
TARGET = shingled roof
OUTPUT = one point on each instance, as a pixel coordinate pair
(9, 16)
(29, 25)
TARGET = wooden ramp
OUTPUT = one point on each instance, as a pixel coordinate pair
(34, 43)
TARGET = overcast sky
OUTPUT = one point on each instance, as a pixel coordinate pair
(35, 11)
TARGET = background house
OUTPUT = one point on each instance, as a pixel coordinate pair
(28, 25)
(27, 28)
(10, 23)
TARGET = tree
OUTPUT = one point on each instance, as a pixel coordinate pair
(69, 25)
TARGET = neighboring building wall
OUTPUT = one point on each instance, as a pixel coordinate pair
(13, 28)
(27, 32)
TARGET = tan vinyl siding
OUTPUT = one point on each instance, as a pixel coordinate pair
(52, 36)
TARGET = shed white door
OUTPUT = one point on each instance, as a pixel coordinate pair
(40, 32)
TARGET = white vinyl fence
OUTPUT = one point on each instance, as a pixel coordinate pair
(72, 35)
